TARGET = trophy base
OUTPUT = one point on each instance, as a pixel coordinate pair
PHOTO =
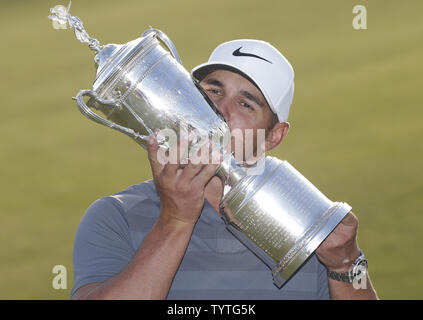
(305, 246)
(280, 216)
(285, 268)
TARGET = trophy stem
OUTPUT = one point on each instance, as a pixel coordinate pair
(229, 171)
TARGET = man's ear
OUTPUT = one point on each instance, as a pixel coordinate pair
(276, 135)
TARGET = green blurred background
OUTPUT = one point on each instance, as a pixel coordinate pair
(356, 122)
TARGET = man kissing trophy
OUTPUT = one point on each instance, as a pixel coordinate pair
(141, 87)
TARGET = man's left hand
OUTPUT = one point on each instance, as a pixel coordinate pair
(340, 248)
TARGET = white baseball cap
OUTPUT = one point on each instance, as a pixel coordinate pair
(260, 63)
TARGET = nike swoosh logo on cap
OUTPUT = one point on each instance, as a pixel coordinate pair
(238, 53)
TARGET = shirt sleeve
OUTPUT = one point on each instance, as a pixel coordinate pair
(102, 246)
(323, 282)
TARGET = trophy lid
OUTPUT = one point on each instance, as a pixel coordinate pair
(105, 56)
(112, 58)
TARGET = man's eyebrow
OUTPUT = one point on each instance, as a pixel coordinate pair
(252, 97)
(215, 82)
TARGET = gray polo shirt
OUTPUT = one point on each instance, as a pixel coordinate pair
(216, 265)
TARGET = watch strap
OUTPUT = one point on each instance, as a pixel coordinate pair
(344, 277)
(350, 275)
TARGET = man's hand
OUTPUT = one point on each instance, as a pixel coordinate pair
(338, 253)
(340, 248)
(181, 186)
(150, 273)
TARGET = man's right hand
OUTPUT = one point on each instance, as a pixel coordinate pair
(181, 187)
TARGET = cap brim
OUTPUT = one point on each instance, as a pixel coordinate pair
(201, 71)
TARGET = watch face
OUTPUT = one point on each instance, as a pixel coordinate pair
(360, 270)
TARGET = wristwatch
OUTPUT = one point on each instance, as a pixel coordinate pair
(357, 271)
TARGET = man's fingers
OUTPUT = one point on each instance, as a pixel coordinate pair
(153, 150)
(177, 157)
(350, 220)
(197, 161)
(191, 170)
(206, 173)
(209, 170)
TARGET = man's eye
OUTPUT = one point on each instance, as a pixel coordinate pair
(246, 105)
(214, 91)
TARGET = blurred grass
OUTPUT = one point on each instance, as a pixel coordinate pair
(356, 122)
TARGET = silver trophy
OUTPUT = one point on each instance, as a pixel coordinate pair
(141, 86)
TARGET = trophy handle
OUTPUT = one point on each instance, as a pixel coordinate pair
(165, 39)
(86, 111)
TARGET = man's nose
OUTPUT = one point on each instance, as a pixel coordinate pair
(224, 107)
